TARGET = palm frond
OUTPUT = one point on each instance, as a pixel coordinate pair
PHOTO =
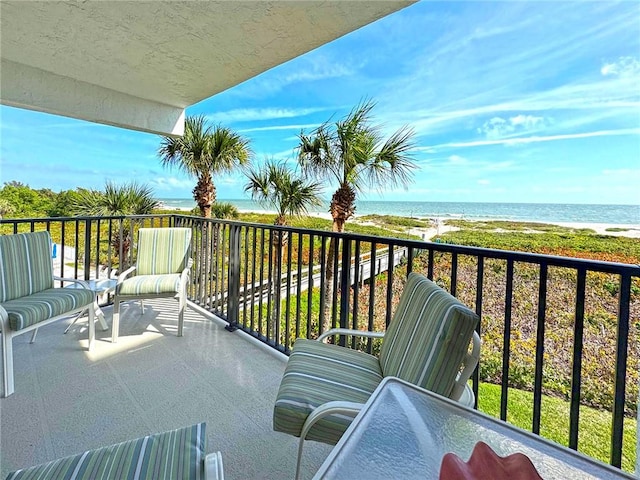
(279, 188)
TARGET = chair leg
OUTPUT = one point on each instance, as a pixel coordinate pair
(115, 324)
(92, 326)
(324, 410)
(33, 336)
(181, 306)
(7, 366)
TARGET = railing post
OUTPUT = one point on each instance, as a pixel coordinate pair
(233, 294)
(87, 248)
(622, 345)
(345, 287)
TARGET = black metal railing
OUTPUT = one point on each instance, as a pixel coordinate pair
(551, 325)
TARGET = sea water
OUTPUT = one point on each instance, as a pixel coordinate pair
(521, 212)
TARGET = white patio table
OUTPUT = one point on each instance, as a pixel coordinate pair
(404, 431)
(100, 287)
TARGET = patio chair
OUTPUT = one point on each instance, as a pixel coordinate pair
(426, 343)
(161, 270)
(176, 454)
(28, 297)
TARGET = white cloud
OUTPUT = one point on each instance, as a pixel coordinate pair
(498, 127)
(533, 139)
(253, 114)
(457, 160)
(623, 67)
(169, 183)
(307, 126)
(484, 181)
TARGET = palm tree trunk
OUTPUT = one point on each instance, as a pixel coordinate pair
(342, 208)
(204, 193)
(279, 241)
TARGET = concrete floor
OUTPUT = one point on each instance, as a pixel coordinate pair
(68, 400)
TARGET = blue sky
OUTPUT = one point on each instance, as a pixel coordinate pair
(509, 101)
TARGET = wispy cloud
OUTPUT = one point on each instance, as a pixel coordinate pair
(264, 114)
(313, 67)
(298, 127)
(499, 127)
(457, 160)
(170, 183)
(623, 67)
(534, 139)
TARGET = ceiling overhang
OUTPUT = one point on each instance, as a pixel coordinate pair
(140, 64)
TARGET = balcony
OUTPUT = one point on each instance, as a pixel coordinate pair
(270, 286)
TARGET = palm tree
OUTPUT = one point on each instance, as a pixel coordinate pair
(277, 187)
(353, 153)
(203, 152)
(128, 199)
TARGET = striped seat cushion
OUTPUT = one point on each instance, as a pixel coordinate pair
(178, 454)
(428, 336)
(317, 373)
(26, 264)
(37, 307)
(150, 284)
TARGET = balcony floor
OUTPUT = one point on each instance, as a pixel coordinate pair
(68, 400)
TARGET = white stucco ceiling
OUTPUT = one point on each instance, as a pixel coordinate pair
(139, 64)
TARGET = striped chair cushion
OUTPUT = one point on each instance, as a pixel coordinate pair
(26, 264)
(150, 284)
(428, 336)
(178, 454)
(162, 250)
(26, 311)
(317, 373)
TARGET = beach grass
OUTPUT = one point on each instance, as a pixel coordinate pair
(554, 241)
(528, 227)
(394, 222)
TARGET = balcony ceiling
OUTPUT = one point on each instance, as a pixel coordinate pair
(138, 65)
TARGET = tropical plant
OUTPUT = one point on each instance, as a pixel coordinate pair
(128, 199)
(276, 186)
(354, 153)
(203, 152)
(224, 210)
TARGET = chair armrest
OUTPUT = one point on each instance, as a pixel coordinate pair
(126, 273)
(469, 364)
(83, 283)
(213, 469)
(4, 319)
(348, 331)
(184, 277)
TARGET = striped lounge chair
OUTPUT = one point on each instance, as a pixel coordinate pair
(28, 299)
(426, 343)
(161, 270)
(177, 454)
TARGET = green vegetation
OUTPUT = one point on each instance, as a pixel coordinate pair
(20, 201)
(618, 229)
(515, 226)
(555, 241)
(393, 222)
(595, 425)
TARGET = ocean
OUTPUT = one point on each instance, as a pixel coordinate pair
(529, 212)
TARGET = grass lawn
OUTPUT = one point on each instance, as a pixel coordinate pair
(595, 425)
